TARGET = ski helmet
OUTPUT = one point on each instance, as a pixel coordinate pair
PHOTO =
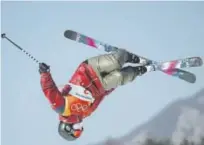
(69, 132)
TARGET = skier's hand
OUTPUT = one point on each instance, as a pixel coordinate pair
(65, 91)
(43, 68)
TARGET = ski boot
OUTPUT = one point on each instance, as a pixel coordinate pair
(140, 70)
(133, 58)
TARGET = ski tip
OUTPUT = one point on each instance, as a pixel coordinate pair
(198, 60)
(186, 76)
(70, 34)
(193, 80)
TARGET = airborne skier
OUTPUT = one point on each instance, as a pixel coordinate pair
(94, 79)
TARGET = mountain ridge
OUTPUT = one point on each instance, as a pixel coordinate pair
(180, 118)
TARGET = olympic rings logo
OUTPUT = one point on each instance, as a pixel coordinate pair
(79, 107)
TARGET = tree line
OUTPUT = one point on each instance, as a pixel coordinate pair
(151, 141)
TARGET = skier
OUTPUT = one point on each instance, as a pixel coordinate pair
(94, 79)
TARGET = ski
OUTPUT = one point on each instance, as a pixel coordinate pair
(168, 67)
(177, 64)
(181, 63)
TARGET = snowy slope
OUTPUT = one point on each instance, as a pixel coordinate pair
(182, 118)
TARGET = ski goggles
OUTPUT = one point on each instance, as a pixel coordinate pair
(71, 132)
(78, 129)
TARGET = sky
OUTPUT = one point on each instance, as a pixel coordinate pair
(158, 30)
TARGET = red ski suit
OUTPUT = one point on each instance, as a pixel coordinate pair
(84, 76)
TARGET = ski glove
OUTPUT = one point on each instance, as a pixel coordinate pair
(43, 68)
(65, 91)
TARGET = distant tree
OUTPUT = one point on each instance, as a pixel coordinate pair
(111, 141)
(167, 142)
(185, 142)
(202, 141)
(192, 143)
(150, 141)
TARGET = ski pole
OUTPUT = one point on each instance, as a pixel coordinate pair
(3, 35)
